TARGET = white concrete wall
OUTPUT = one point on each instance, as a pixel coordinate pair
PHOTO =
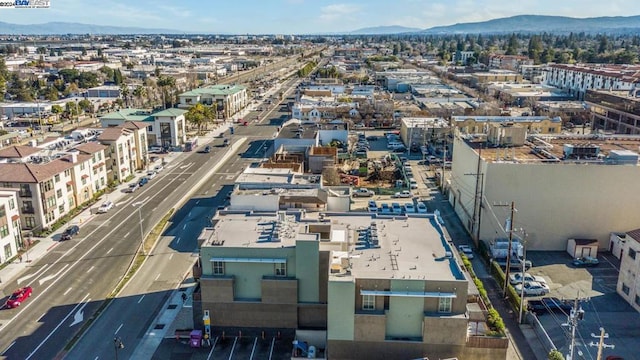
(257, 202)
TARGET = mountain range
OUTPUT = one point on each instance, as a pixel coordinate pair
(519, 24)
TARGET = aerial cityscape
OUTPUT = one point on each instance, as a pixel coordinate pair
(295, 179)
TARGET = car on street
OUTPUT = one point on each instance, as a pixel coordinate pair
(158, 168)
(18, 297)
(532, 288)
(586, 261)
(106, 206)
(151, 174)
(409, 208)
(207, 149)
(421, 208)
(517, 278)
(403, 194)
(395, 208)
(362, 192)
(70, 232)
(372, 207)
(132, 187)
(466, 250)
(143, 181)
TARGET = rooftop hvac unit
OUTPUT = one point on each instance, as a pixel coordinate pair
(581, 151)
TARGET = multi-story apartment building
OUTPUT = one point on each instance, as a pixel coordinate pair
(508, 62)
(423, 131)
(577, 79)
(164, 128)
(228, 99)
(615, 111)
(121, 152)
(532, 124)
(628, 286)
(564, 186)
(10, 228)
(96, 176)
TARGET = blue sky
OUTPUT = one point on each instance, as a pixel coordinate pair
(302, 16)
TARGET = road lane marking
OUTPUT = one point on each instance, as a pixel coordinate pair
(178, 241)
(52, 276)
(66, 292)
(127, 234)
(110, 250)
(79, 315)
(184, 226)
(56, 328)
(142, 297)
(189, 214)
(118, 329)
(157, 276)
(273, 341)
(197, 202)
(233, 347)
(26, 277)
(13, 343)
(170, 256)
(91, 268)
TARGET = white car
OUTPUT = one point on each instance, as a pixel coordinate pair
(158, 168)
(517, 278)
(466, 250)
(151, 174)
(403, 194)
(533, 288)
(409, 208)
(106, 206)
(422, 208)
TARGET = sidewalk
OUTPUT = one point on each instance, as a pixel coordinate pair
(12, 271)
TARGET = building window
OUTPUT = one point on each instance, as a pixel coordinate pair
(67, 173)
(61, 208)
(632, 253)
(29, 222)
(4, 230)
(218, 268)
(84, 181)
(57, 178)
(7, 251)
(368, 302)
(12, 204)
(59, 193)
(281, 269)
(444, 305)
(625, 289)
(3, 212)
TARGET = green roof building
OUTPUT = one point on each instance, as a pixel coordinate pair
(227, 99)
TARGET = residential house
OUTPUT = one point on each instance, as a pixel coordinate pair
(98, 174)
(121, 153)
(628, 286)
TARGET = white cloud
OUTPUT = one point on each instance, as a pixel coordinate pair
(338, 12)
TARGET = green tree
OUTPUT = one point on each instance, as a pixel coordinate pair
(125, 92)
(57, 109)
(139, 93)
(555, 355)
(51, 93)
(196, 116)
(165, 83)
(72, 108)
(107, 71)
(85, 105)
(117, 77)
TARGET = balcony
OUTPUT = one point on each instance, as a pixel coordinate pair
(27, 210)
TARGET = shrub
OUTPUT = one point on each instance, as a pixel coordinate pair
(495, 321)
(555, 355)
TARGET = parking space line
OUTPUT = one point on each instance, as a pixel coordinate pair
(212, 348)
(273, 342)
(610, 263)
(253, 351)
(233, 348)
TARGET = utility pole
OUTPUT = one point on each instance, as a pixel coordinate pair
(524, 261)
(574, 315)
(600, 344)
(509, 228)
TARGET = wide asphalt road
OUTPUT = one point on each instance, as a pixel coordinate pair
(73, 279)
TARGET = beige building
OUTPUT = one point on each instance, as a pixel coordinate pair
(122, 152)
(629, 275)
(228, 99)
(10, 228)
(533, 124)
(564, 187)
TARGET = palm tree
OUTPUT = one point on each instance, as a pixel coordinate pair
(140, 92)
(164, 82)
(124, 92)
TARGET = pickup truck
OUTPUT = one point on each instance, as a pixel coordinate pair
(549, 304)
(362, 192)
(516, 264)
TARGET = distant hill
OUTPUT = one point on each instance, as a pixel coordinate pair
(384, 30)
(61, 28)
(543, 23)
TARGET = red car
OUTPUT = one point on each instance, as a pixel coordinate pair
(19, 296)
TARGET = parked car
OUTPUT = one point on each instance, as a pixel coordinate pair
(225, 142)
(151, 174)
(373, 207)
(466, 250)
(422, 208)
(532, 288)
(586, 261)
(403, 194)
(70, 232)
(106, 206)
(549, 304)
(517, 278)
(385, 209)
(396, 209)
(362, 192)
(399, 149)
(18, 297)
(158, 168)
(143, 181)
(372, 138)
(132, 187)
(409, 208)
(207, 149)
(514, 263)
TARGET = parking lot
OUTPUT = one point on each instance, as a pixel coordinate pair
(604, 308)
(228, 347)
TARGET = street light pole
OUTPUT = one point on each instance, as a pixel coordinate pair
(117, 345)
